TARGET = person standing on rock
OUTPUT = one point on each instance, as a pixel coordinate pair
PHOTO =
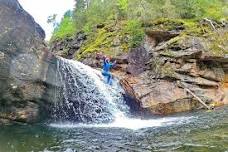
(106, 67)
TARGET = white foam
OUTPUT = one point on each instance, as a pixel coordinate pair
(128, 123)
(111, 93)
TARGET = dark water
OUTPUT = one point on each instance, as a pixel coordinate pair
(204, 132)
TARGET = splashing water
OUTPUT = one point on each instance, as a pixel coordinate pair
(86, 97)
(129, 123)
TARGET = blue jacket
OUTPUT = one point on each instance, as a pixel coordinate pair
(107, 66)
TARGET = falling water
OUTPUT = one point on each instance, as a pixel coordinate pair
(89, 102)
(86, 97)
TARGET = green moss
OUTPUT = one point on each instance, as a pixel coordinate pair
(168, 71)
(111, 40)
(168, 53)
(162, 69)
(219, 43)
(165, 24)
(191, 27)
(95, 45)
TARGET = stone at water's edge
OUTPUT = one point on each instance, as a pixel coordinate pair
(24, 65)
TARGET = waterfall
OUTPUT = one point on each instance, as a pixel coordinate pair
(87, 101)
(85, 96)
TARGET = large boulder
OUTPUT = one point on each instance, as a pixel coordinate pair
(158, 97)
(167, 97)
(24, 65)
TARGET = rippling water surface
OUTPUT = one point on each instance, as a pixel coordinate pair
(195, 132)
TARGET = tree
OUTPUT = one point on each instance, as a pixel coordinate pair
(187, 8)
(169, 10)
(68, 13)
(122, 6)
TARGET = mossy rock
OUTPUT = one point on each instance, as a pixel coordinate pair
(184, 26)
(163, 24)
(218, 43)
(110, 40)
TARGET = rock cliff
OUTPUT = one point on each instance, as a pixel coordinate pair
(24, 65)
(175, 56)
(175, 61)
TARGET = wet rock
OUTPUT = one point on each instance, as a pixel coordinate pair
(26, 114)
(187, 54)
(225, 88)
(123, 59)
(196, 80)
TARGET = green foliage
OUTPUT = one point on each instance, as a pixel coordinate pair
(135, 31)
(94, 12)
(187, 8)
(107, 40)
(169, 10)
(123, 4)
(122, 8)
(88, 13)
(218, 43)
(66, 28)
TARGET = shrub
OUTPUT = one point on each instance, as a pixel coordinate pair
(65, 29)
(135, 31)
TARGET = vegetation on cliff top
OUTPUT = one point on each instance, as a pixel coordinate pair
(124, 20)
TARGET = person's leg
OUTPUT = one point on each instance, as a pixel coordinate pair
(106, 75)
(109, 78)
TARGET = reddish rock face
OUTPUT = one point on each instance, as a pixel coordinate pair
(150, 75)
(158, 97)
(165, 97)
(157, 89)
(225, 88)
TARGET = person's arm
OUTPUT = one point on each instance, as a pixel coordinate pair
(113, 64)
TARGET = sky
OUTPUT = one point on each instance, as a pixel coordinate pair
(41, 9)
